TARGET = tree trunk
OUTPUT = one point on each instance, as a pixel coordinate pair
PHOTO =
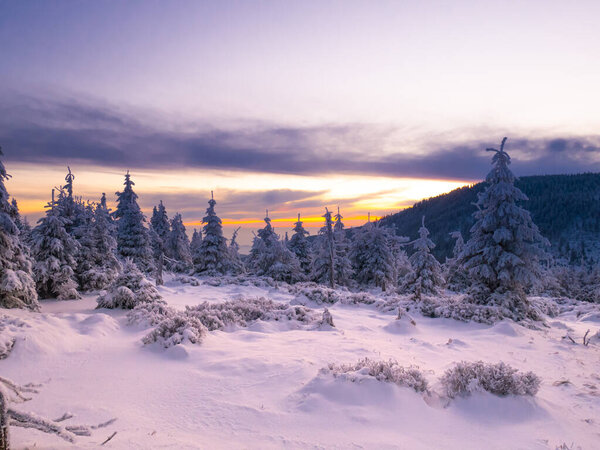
(4, 435)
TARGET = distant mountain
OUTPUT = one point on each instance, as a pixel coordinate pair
(566, 208)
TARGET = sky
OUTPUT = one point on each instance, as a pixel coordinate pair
(292, 106)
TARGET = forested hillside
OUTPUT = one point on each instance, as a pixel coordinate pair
(566, 208)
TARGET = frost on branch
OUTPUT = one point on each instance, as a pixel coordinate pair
(130, 289)
(388, 371)
(150, 313)
(241, 312)
(177, 329)
(10, 393)
(498, 379)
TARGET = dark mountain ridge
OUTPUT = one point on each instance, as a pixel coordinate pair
(566, 208)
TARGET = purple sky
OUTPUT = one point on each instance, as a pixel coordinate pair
(312, 89)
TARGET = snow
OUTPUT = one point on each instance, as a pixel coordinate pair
(263, 386)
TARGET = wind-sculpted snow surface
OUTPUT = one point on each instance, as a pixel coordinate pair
(255, 380)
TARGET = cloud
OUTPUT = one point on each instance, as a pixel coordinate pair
(68, 131)
(237, 203)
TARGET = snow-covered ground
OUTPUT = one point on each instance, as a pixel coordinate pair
(261, 386)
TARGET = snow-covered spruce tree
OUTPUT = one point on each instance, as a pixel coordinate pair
(300, 247)
(402, 266)
(21, 222)
(17, 287)
(54, 251)
(129, 289)
(86, 261)
(213, 255)
(195, 243)
(270, 257)
(323, 269)
(371, 256)
(160, 221)
(342, 265)
(455, 275)
(178, 246)
(502, 255)
(132, 236)
(590, 285)
(426, 276)
(236, 265)
(102, 265)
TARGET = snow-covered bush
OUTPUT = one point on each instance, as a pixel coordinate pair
(129, 289)
(389, 371)
(499, 379)
(459, 309)
(177, 329)
(243, 311)
(11, 328)
(327, 318)
(150, 313)
(317, 293)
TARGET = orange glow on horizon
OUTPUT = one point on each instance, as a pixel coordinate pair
(311, 221)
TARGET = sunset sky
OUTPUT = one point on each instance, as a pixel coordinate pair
(292, 106)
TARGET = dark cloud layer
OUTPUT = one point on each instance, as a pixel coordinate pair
(64, 131)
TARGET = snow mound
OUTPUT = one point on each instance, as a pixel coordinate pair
(507, 328)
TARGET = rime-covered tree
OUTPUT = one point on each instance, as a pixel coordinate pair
(196, 241)
(341, 263)
(86, 261)
(54, 251)
(271, 258)
(502, 255)
(213, 255)
(300, 247)
(371, 256)
(17, 286)
(426, 276)
(323, 268)
(455, 275)
(161, 226)
(178, 246)
(21, 222)
(102, 266)
(235, 261)
(129, 289)
(132, 236)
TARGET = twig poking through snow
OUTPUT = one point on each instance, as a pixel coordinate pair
(109, 438)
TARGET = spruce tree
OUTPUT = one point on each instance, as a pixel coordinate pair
(132, 236)
(213, 255)
(195, 246)
(271, 258)
(103, 266)
(342, 264)
(502, 255)
(178, 246)
(455, 275)
(54, 251)
(300, 247)
(371, 256)
(323, 270)
(426, 276)
(21, 222)
(235, 261)
(17, 286)
(161, 226)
